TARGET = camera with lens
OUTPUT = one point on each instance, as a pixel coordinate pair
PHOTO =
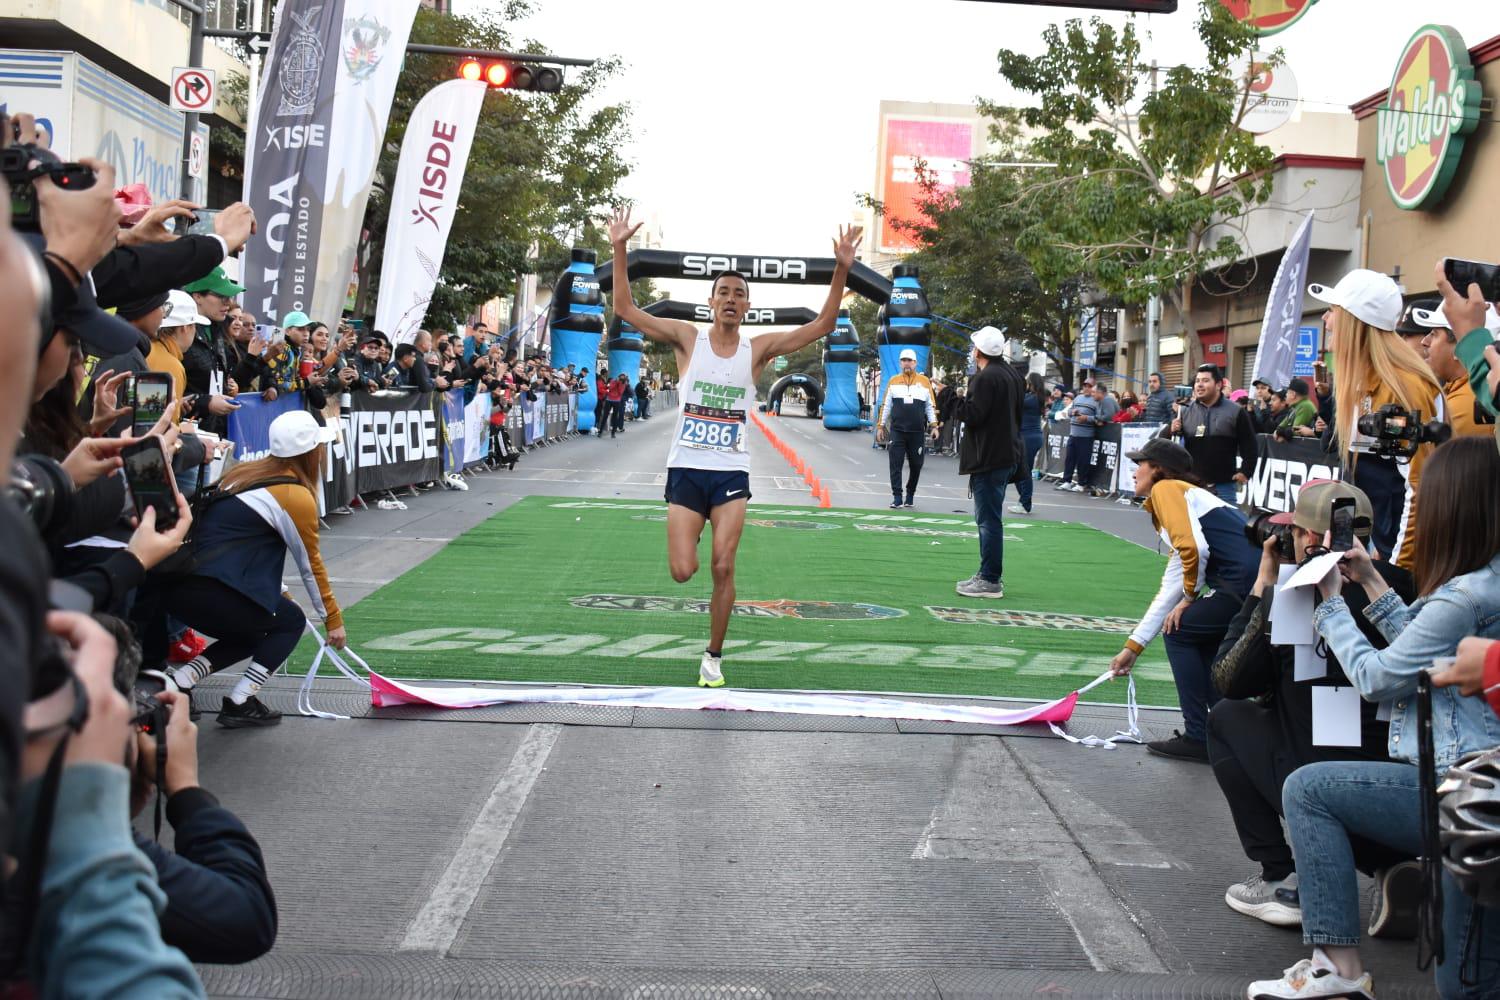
(1260, 527)
(16, 165)
(43, 491)
(149, 715)
(1399, 432)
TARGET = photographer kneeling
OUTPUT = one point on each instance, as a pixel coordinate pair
(1328, 804)
(232, 589)
(1263, 729)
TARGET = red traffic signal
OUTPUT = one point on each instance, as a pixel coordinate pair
(502, 75)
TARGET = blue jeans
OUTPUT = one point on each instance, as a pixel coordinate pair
(988, 489)
(1033, 444)
(1225, 491)
(1191, 650)
(1327, 802)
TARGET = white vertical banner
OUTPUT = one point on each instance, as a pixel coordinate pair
(429, 178)
(371, 49)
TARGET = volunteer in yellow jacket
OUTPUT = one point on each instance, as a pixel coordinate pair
(708, 466)
(268, 508)
(908, 418)
(1211, 570)
(1373, 368)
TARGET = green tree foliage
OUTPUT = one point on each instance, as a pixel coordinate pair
(540, 168)
(1147, 159)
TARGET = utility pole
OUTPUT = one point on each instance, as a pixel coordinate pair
(190, 120)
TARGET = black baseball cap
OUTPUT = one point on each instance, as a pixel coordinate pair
(1164, 454)
(1299, 386)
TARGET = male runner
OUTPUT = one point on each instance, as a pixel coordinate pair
(708, 466)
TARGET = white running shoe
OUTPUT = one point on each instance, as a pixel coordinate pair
(1313, 979)
(454, 481)
(711, 671)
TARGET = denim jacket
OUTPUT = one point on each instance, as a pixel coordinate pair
(1431, 627)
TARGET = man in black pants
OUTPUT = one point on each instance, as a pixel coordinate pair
(908, 417)
(1262, 730)
(1218, 434)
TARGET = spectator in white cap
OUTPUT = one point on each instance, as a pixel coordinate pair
(1440, 347)
(989, 453)
(269, 509)
(1374, 367)
(908, 418)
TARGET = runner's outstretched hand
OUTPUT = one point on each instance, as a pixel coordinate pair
(620, 229)
(844, 247)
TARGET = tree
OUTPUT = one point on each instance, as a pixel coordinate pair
(540, 168)
(1146, 161)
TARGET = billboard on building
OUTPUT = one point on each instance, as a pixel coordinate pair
(944, 146)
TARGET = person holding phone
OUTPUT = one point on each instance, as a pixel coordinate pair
(1327, 804)
(1478, 350)
(268, 510)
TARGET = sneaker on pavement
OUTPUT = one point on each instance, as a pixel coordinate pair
(711, 671)
(1312, 978)
(1393, 909)
(252, 714)
(896, 504)
(980, 587)
(1078, 488)
(1016, 508)
(1179, 747)
(910, 502)
(1274, 902)
(1062, 486)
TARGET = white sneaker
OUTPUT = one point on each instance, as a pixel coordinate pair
(454, 481)
(1312, 979)
(1274, 902)
(711, 671)
(1016, 508)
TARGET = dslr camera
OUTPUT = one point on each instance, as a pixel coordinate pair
(1399, 432)
(42, 490)
(15, 166)
(1259, 528)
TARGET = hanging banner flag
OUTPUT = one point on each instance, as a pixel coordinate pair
(1279, 334)
(434, 155)
(311, 155)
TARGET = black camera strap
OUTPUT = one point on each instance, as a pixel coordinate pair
(1430, 906)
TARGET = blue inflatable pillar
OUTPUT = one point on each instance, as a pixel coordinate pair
(841, 376)
(905, 322)
(625, 346)
(577, 324)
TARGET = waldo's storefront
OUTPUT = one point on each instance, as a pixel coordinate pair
(1431, 180)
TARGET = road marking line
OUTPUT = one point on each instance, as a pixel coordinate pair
(437, 924)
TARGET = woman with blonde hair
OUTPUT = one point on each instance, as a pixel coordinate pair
(265, 510)
(1374, 367)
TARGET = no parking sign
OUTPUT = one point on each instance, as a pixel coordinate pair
(193, 89)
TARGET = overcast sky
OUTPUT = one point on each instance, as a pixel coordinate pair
(755, 123)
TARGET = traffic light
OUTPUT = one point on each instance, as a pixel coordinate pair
(502, 75)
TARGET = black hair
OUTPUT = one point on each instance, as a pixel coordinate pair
(1212, 369)
(1158, 377)
(1299, 386)
(404, 351)
(728, 273)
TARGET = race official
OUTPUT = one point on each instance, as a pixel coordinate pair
(908, 419)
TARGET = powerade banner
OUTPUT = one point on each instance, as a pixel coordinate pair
(1104, 457)
(313, 143)
(1281, 469)
(250, 424)
(434, 155)
(392, 440)
(451, 410)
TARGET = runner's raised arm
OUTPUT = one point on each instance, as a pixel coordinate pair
(668, 331)
(768, 346)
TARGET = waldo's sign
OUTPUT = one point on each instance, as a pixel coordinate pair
(1268, 16)
(1432, 104)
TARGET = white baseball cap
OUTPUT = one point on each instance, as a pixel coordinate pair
(1436, 319)
(182, 310)
(908, 355)
(989, 341)
(1368, 296)
(297, 433)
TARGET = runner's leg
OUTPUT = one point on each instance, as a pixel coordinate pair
(728, 521)
(684, 528)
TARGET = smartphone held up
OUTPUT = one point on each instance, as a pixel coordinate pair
(148, 473)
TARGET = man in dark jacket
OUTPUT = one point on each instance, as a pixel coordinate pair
(1218, 434)
(991, 448)
(220, 907)
(1262, 729)
(1158, 401)
(206, 362)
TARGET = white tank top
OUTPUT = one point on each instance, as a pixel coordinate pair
(713, 429)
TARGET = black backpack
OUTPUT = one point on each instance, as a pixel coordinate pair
(186, 560)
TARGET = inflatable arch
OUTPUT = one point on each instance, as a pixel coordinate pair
(811, 388)
(577, 319)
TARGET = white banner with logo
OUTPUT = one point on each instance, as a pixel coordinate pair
(477, 428)
(1279, 332)
(1132, 437)
(434, 156)
(314, 145)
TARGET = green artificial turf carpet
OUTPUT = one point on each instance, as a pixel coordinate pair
(569, 590)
